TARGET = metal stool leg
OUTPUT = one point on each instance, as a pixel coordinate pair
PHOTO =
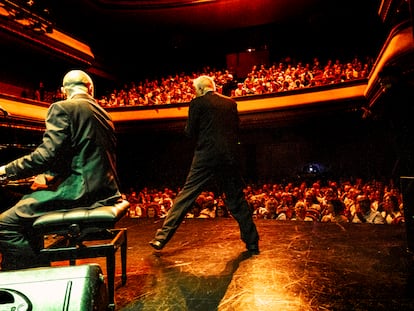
(110, 269)
(124, 258)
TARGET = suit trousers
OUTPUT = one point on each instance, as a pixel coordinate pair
(230, 182)
(17, 245)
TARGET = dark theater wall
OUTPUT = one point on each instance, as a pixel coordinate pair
(338, 148)
(153, 159)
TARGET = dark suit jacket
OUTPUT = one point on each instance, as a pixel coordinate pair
(78, 148)
(214, 122)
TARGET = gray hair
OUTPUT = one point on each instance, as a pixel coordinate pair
(204, 84)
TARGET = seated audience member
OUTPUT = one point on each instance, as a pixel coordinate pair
(194, 212)
(153, 211)
(390, 210)
(335, 209)
(133, 201)
(208, 208)
(221, 210)
(299, 210)
(257, 205)
(312, 207)
(139, 211)
(349, 198)
(285, 208)
(239, 91)
(165, 204)
(364, 213)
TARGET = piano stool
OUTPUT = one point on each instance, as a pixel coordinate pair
(82, 233)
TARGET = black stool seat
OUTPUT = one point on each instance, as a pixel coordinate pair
(99, 217)
(72, 228)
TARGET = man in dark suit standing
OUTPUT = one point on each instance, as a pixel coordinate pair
(214, 122)
(75, 166)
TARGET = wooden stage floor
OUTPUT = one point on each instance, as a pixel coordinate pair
(301, 266)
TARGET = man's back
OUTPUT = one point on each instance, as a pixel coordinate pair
(75, 165)
(91, 147)
(213, 121)
(79, 151)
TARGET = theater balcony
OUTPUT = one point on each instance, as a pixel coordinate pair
(270, 110)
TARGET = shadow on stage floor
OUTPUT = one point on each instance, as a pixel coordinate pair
(302, 266)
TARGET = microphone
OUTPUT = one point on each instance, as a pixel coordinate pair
(4, 111)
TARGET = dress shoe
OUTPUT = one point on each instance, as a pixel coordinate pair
(156, 244)
(253, 249)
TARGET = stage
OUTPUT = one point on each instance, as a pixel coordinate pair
(301, 266)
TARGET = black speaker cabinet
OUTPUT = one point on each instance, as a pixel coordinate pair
(68, 288)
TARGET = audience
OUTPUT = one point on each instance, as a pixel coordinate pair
(371, 202)
(353, 202)
(285, 75)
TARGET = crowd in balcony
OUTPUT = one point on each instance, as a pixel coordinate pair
(283, 76)
(356, 201)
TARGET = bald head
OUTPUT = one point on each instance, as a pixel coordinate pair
(77, 81)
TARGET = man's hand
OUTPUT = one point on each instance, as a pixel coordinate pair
(2, 170)
(3, 177)
(41, 181)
